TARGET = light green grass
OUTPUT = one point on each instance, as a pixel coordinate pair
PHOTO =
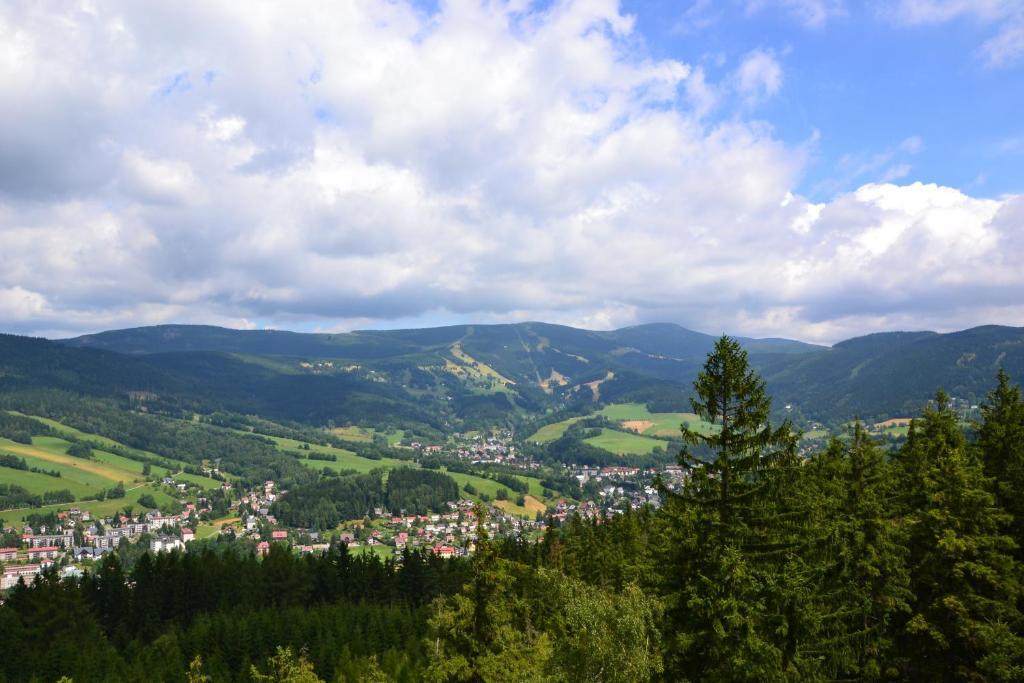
(41, 483)
(98, 508)
(623, 443)
(346, 459)
(490, 487)
(664, 424)
(384, 552)
(120, 461)
(553, 431)
(50, 453)
(79, 481)
(366, 434)
(213, 527)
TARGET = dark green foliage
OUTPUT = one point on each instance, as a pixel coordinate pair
(857, 548)
(80, 450)
(226, 606)
(322, 505)
(1001, 448)
(13, 496)
(419, 491)
(735, 582)
(965, 620)
(512, 622)
(512, 482)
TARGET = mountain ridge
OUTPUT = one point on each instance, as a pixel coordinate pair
(463, 374)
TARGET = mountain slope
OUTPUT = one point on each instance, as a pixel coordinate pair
(893, 374)
(485, 370)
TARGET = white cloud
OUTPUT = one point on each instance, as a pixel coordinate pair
(366, 163)
(759, 76)
(1004, 48)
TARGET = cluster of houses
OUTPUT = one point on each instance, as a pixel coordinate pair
(495, 448)
(78, 537)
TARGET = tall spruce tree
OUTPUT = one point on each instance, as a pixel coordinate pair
(965, 620)
(863, 584)
(731, 571)
(1001, 448)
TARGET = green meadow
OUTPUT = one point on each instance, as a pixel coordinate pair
(660, 424)
(624, 443)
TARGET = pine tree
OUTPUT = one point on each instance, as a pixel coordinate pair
(732, 575)
(964, 580)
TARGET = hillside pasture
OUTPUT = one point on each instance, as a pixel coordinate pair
(346, 459)
(51, 453)
(624, 443)
(635, 415)
(491, 487)
(553, 431)
(122, 462)
(80, 477)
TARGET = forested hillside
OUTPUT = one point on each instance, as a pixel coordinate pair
(490, 371)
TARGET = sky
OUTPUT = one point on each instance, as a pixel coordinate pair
(812, 169)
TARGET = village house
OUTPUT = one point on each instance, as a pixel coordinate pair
(163, 543)
(8, 554)
(48, 553)
(13, 574)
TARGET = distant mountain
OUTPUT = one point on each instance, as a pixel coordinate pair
(481, 372)
(893, 374)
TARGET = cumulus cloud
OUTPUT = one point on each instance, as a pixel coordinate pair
(362, 163)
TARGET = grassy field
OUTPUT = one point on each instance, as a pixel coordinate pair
(654, 424)
(98, 508)
(553, 431)
(120, 461)
(384, 552)
(490, 487)
(213, 527)
(624, 443)
(530, 509)
(81, 477)
(51, 453)
(346, 460)
(366, 434)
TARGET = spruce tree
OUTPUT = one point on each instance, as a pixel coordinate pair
(1001, 448)
(730, 567)
(863, 585)
(963, 576)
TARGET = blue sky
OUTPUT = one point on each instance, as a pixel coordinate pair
(814, 169)
(863, 83)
